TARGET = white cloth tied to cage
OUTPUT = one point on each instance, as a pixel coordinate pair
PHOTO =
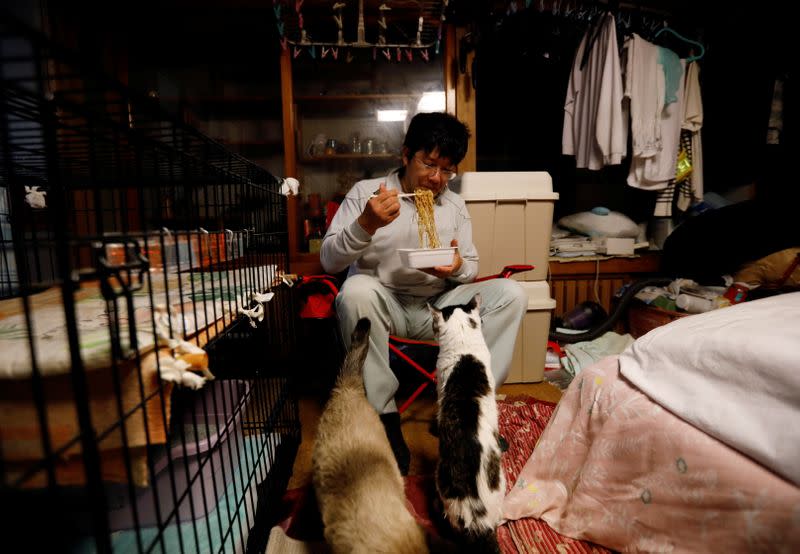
(35, 197)
(257, 312)
(289, 186)
(177, 371)
(262, 297)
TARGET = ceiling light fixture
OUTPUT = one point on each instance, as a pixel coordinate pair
(433, 101)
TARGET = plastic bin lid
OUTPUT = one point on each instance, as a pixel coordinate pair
(538, 295)
(506, 185)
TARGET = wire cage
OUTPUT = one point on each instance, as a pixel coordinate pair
(145, 403)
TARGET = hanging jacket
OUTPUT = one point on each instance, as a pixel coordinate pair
(594, 130)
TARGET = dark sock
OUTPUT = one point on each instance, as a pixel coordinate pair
(391, 423)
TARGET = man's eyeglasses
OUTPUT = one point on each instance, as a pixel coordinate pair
(447, 174)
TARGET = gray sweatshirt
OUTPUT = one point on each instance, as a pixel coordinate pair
(346, 243)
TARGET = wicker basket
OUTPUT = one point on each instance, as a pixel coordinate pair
(643, 318)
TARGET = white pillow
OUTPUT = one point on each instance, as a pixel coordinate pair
(601, 223)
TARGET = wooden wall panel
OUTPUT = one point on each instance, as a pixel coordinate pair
(575, 282)
(568, 293)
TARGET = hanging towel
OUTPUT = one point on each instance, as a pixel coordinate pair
(671, 64)
(655, 172)
(594, 130)
(644, 89)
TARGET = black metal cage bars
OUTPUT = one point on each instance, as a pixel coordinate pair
(144, 335)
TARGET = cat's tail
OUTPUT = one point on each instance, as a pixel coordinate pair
(353, 366)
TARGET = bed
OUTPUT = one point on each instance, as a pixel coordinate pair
(689, 441)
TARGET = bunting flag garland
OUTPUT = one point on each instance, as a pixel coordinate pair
(294, 31)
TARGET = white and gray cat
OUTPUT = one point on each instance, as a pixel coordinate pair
(469, 477)
(357, 482)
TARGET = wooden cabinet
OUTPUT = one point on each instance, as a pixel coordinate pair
(333, 135)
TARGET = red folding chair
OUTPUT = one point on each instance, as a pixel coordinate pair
(418, 357)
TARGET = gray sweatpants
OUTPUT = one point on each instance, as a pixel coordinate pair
(503, 305)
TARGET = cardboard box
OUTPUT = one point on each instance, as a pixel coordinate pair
(527, 365)
(618, 246)
(512, 219)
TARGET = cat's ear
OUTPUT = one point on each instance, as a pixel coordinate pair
(361, 331)
(434, 312)
(475, 303)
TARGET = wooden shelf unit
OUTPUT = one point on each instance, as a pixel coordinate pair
(336, 100)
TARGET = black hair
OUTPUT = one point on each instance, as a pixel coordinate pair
(429, 131)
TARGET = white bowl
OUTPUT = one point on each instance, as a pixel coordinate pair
(426, 257)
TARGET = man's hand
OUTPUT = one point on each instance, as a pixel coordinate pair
(380, 211)
(445, 271)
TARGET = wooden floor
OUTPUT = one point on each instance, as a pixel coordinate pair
(415, 423)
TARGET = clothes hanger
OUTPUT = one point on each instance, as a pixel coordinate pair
(595, 26)
(683, 38)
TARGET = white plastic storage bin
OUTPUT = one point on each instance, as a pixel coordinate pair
(512, 218)
(530, 351)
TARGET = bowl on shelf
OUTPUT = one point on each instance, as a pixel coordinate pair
(418, 258)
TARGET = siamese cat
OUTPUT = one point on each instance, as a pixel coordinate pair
(357, 482)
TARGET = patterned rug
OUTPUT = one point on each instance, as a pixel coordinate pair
(522, 420)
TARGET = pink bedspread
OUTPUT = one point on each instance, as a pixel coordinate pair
(615, 468)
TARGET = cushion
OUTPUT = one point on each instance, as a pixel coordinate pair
(601, 223)
(776, 270)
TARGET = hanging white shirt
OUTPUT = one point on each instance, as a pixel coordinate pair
(594, 130)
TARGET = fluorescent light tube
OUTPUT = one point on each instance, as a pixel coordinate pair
(392, 115)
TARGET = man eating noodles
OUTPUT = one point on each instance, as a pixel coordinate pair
(363, 238)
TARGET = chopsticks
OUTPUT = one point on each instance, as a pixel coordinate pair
(400, 195)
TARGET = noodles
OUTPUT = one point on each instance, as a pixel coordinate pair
(426, 224)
